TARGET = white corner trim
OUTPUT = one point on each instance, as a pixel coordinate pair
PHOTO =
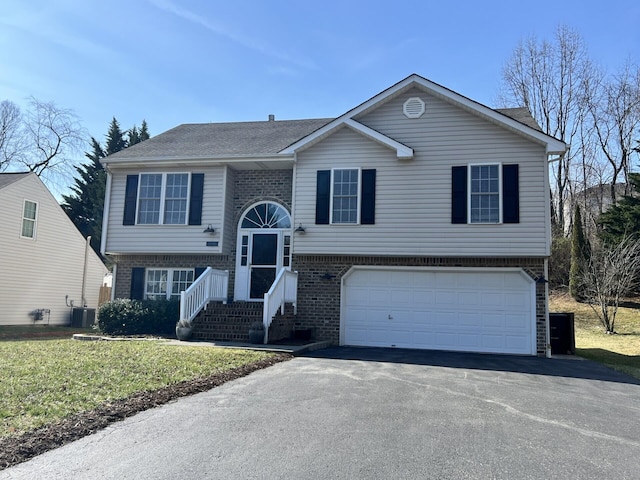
(105, 214)
(402, 151)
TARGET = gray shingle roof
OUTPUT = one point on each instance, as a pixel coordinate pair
(9, 178)
(522, 115)
(243, 139)
(223, 139)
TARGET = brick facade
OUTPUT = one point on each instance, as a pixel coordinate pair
(320, 279)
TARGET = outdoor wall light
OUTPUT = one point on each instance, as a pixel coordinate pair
(300, 229)
(209, 229)
(541, 280)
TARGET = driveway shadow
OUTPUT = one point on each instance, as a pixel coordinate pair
(556, 367)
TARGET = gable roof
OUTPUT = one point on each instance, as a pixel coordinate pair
(280, 138)
(9, 178)
(512, 119)
(220, 140)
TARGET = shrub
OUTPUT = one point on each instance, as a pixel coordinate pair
(161, 316)
(132, 317)
(121, 317)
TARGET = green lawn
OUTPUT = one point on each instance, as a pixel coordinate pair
(620, 351)
(45, 380)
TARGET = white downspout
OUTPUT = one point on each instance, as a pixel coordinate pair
(546, 313)
(87, 246)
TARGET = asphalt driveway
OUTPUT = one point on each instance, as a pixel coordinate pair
(377, 414)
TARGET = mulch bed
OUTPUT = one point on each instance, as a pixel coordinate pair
(20, 448)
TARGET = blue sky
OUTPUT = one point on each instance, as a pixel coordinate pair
(190, 61)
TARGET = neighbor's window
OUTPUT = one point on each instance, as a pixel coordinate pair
(163, 196)
(167, 283)
(485, 193)
(29, 215)
(345, 188)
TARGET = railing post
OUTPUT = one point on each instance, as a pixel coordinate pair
(183, 307)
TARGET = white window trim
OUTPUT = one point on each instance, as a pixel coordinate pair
(469, 193)
(163, 197)
(35, 220)
(168, 293)
(357, 222)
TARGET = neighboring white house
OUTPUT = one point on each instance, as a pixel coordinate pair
(417, 219)
(45, 262)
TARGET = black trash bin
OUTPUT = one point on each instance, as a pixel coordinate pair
(563, 338)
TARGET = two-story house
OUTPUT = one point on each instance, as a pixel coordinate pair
(418, 219)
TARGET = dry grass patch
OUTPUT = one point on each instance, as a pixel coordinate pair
(620, 351)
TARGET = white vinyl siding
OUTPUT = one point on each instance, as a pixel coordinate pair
(39, 274)
(413, 197)
(160, 239)
(29, 219)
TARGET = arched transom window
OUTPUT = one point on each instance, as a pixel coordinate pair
(266, 215)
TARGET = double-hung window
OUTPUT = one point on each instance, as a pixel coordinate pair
(29, 216)
(167, 283)
(345, 194)
(484, 182)
(485, 193)
(163, 198)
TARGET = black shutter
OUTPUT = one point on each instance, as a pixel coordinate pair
(323, 193)
(130, 200)
(195, 202)
(199, 271)
(510, 194)
(137, 283)
(459, 194)
(368, 203)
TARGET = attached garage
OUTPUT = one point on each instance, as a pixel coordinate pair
(461, 309)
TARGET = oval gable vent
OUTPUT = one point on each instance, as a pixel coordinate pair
(413, 107)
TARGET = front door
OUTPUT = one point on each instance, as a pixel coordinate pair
(264, 248)
(264, 263)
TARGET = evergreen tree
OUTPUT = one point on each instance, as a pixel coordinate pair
(579, 256)
(85, 205)
(623, 219)
(137, 136)
(115, 138)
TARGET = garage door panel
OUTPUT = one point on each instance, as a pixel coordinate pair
(484, 311)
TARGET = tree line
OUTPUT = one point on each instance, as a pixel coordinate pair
(594, 110)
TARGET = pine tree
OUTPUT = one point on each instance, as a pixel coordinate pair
(85, 205)
(579, 255)
(623, 219)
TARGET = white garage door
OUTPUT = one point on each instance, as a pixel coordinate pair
(473, 310)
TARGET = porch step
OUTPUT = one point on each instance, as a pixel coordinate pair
(231, 322)
(228, 322)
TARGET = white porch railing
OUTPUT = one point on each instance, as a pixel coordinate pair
(284, 290)
(211, 285)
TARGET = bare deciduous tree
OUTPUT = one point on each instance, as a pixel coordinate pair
(614, 107)
(549, 79)
(610, 273)
(42, 140)
(10, 133)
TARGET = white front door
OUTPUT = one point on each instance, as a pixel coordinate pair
(264, 248)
